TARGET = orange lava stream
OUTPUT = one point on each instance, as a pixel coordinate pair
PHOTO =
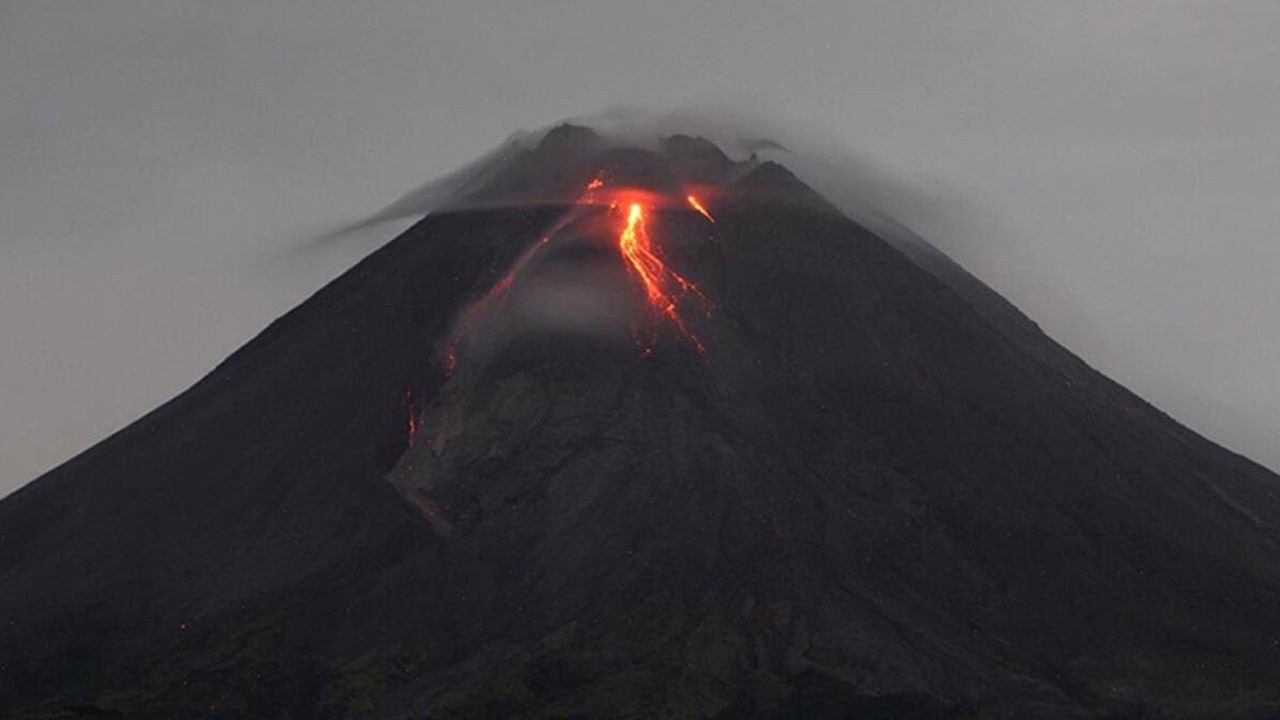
(693, 203)
(664, 288)
(662, 285)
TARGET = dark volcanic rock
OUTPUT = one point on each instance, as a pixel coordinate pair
(878, 494)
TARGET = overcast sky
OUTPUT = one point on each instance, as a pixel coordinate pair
(1112, 167)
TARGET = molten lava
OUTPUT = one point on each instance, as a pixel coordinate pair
(664, 292)
(693, 203)
(663, 286)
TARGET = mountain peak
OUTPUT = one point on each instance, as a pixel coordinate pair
(569, 140)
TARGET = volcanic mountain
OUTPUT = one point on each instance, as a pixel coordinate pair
(622, 431)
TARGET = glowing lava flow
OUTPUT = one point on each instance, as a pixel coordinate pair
(496, 294)
(693, 203)
(662, 285)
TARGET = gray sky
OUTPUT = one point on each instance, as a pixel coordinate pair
(1112, 167)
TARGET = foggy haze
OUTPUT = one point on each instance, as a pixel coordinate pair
(1110, 168)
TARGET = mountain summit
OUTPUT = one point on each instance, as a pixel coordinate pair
(623, 431)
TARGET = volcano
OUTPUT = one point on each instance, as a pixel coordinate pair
(620, 431)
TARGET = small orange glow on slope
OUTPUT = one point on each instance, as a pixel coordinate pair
(663, 286)
(415, 407)
(496, 294)
(693, 203)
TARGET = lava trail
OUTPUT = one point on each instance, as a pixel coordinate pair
(696, 205)
(663, 286)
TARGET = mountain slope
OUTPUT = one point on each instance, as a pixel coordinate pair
(478, 475)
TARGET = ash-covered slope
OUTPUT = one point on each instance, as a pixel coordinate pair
(509, 466)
